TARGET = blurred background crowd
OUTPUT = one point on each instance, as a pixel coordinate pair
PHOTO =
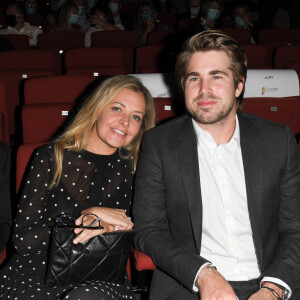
(32, 17)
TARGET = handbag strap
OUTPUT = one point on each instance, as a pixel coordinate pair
(68, 220)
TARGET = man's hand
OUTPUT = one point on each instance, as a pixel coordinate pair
(214, 286)
(265, 294)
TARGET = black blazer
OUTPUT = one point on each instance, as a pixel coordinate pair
(167, 206)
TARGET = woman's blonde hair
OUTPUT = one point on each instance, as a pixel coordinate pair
(77, 134)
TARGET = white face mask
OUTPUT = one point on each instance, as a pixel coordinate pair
(194, 11)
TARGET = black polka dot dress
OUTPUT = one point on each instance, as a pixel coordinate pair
(87, 180)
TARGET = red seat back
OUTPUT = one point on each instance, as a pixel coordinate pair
(257, 56)
(240, 34)
(40, 122)
(87, 61)
(18, 41)
(284, 54)
(23, 157)
(60, 40)
(281, 110)
(51, 89)
(17, 65)
(161, 37)
(153, 59)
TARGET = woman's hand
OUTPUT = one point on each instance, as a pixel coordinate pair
(110, 218)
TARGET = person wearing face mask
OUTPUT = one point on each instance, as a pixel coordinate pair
(193, 10)
(147, 22)
(14, 20)
(241, 19)
(33, 16)
(68, 18)
(115, 6)
(100, 18)
(211, 11)
(82, 14)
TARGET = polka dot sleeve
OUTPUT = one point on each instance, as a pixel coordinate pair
(31, 232)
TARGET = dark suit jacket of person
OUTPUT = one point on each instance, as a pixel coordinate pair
(167, 206)
(5, 201)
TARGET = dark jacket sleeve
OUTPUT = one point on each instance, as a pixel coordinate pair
(5, 201)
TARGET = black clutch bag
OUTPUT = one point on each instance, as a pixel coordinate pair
(102, 257)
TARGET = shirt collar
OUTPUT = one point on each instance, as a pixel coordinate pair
(200, 133)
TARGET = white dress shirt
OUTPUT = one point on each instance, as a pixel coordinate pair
(30, 30)
(227, 239)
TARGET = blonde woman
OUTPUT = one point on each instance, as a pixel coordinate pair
(89, 168)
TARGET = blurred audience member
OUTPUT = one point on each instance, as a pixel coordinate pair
(242, 19)
(33, 16)
(211, 11)
(82, 14)
(14, 19)
(193, 14)
(68, 18)
(147, 22)
(100, 19)
(115, 6)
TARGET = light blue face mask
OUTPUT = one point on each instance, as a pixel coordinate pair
(73, 19)
(239, 22)
(30, 10)
(213, 14)
(81, 10)
(113, 6)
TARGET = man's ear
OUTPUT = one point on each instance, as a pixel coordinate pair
(239, 88)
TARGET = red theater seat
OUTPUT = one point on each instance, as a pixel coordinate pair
(257, 56)
(41, 121)
(153, 59)
(240, 34)
(95, 61)
(18, 41)
(281, 110)
(17, 65)
(127, 40)
(161, 37)
(284, 54)
(60, 40)
(53, 89)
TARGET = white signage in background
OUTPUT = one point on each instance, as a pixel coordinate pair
(158, 84)
(259, 83)
(271, 83)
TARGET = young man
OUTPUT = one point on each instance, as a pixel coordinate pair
(217, 194)
(14, 19)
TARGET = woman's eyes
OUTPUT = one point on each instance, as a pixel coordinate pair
(137, 118)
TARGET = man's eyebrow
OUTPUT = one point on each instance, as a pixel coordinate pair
(191, 74)
(215, 72)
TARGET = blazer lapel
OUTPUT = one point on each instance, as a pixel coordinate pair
(254, 177)
(188, 157)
